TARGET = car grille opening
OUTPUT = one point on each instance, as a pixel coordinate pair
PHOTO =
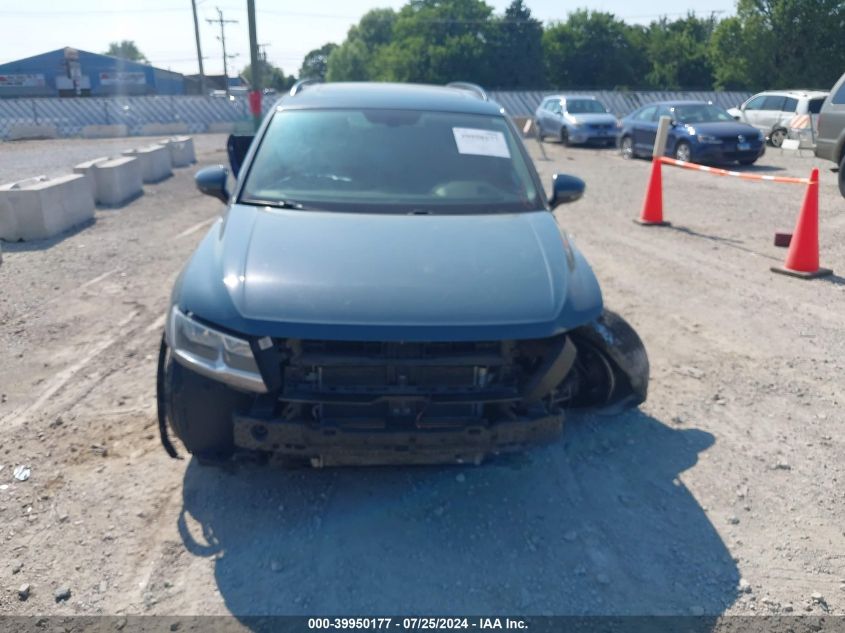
(396, 384)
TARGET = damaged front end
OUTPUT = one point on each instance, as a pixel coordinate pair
(343, 402)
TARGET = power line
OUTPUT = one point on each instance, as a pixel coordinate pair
(222, 38)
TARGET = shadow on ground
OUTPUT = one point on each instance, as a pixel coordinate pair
(596, 524)
(42, 245)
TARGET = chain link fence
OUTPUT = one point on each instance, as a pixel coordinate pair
(198, 114)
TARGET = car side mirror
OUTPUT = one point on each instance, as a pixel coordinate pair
(212, 182)
(566, 189)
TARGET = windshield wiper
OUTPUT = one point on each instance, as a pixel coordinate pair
(276, 204)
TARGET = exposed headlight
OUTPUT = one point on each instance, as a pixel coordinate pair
(214, 354)
(708, 138)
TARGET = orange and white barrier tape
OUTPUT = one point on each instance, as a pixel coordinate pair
(736, 174)
(800, 122)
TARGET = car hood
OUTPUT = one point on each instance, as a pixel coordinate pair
(725, 128)
(351, 276)
(593, 118)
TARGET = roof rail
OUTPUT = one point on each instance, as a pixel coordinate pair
(473, 88)
(302, 84)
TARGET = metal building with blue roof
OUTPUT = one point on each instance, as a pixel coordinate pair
(69, 72)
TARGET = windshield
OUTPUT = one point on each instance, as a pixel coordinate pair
(391, 161)
(701, 113)
(585, 106)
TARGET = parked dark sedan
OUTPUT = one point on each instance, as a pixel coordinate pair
(701, 132)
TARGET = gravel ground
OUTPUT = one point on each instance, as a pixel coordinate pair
(722, 494)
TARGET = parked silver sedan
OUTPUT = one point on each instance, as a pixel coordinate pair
(576, 119)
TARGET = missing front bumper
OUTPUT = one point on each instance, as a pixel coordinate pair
(328, 445)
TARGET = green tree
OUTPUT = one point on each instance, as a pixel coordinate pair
(352, 60)
(316, 62)
(593, 49)
(515, 50)
(437, 41)
(126, 49)
(678, 52)
(780, 44)
(271, 76)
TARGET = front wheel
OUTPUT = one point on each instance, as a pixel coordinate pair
(626, 147)
(564, 136)
(842, 176)
(776, 137)
(612, 363)
(683, 152)
(200, 412)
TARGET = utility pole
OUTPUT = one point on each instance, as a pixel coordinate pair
(255, 66)
(199, 49)
(222, 38)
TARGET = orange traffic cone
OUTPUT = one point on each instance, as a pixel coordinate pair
(802, 259)
(652, 214)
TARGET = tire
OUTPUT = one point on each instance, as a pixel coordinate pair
(683, 151)
(747, 161)
(626, 148)
(842, 176)
(540, 135)
(564, 137)
(777, 136)
(200, 413)
(613, 363)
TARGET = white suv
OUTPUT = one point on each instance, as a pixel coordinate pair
(783, 113)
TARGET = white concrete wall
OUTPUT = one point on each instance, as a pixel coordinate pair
(155, 162)
(20, 131)
(154, 129)
(104, 131)
(221, 127)
(118, 181)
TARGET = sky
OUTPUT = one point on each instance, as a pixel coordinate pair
(164, 29)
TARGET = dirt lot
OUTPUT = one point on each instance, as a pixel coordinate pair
(730, 476)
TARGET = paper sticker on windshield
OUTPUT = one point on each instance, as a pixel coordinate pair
(481, 142)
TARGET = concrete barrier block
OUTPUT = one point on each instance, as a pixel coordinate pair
(45, 208)
(154, 129)
(8, 222)
(221, 127)
(155, 162)
(114, 130)
(86, 169)
(118, 180)
(22, 131)
(9, 229)
(181, 150)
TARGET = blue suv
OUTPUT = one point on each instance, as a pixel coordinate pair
(388, 283)
(701, 133)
